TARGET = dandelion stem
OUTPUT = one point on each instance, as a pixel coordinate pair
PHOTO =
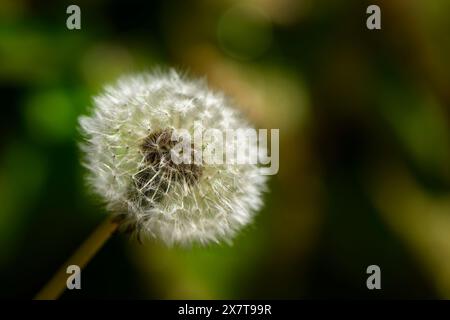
(56, 286)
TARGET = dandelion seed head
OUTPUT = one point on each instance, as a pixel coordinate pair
(127, 151)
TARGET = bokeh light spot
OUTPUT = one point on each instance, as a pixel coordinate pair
(244, 32)
(50, 116)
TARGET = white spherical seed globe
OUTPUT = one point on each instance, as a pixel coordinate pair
(127, 146)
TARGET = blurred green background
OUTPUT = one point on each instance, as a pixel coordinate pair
(365, 144)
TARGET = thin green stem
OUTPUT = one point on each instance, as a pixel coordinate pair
(56, 286)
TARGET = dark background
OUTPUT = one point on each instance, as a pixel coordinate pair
(365, 146)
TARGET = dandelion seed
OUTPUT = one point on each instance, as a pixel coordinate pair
(128, 144)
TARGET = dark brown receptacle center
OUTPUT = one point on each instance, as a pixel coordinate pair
(156, 148)
(157, 174)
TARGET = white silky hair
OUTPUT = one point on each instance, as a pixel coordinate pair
(222, 199)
